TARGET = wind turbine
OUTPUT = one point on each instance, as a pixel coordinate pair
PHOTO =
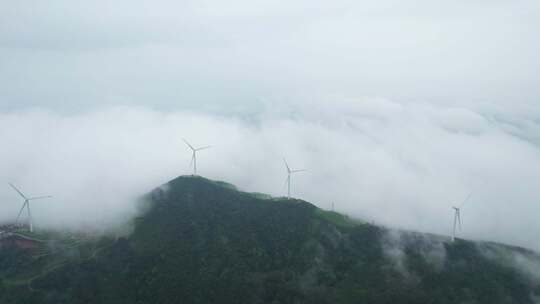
(288, 180)
(194, 157)
(457, 216)
(27, 205)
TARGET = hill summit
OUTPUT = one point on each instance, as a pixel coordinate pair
(202, 241)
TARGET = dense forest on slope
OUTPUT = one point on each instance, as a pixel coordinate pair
(201, 241)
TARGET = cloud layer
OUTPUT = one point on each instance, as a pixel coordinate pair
(234, 56)
(401, 165)
(94, 98)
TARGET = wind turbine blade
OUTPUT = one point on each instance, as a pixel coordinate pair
(301, 170)
(40, 197)
(466, 199)
(20, 211)
(287, 166)
(18, 191)
(188, 144)
(202, 148)
(459, 220)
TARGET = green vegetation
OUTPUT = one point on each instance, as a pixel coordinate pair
(337, 219)
(31, 235)
(201, 241)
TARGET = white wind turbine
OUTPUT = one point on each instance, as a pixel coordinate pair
(194, 156)
(27, 205)
(457, 216)
(288, 180)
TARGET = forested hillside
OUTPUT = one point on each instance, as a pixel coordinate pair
(201, 241)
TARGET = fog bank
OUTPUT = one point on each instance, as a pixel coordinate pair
(399, 164)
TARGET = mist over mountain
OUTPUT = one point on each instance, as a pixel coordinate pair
(398, 110)
(201, 241)
(405, 107)
(400, 165)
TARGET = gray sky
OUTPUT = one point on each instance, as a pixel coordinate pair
(229, 56)
(398, 109)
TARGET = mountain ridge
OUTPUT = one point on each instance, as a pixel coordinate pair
(203, 241)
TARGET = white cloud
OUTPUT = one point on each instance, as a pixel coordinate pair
(455, 105)
(403, 165)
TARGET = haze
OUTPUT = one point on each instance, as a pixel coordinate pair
(398, 110)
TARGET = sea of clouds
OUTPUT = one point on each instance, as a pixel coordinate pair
(400, 165)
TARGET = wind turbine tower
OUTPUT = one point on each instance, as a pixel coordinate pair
(194, 155)
(288, 180)
(27, 205)
(457, 217)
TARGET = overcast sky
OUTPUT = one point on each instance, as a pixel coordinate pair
(398, 108)
(229, 56)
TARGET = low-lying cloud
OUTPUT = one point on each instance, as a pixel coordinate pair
(399, 164)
